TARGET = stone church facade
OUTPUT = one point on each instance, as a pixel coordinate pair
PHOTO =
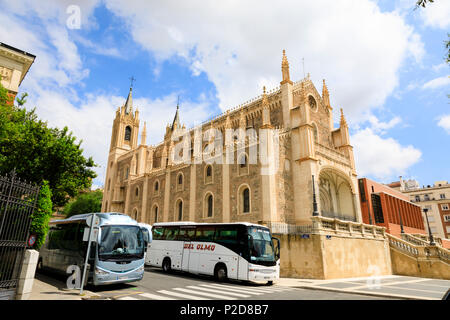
(146, 183)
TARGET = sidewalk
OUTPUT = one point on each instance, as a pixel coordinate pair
(48, 288)
(392, 286)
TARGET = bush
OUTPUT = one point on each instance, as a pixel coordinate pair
(41, 216)
(84, 203)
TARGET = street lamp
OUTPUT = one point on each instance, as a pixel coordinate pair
(315, 211)
(401, 222)
(429, 230)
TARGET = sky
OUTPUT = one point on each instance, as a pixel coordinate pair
(383, 62)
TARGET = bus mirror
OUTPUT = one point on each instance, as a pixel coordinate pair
(277, 247)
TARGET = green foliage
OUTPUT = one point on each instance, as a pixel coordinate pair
(84, 203)
(41, 153)
(41, 216)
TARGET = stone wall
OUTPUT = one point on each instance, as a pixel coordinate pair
(335, 249)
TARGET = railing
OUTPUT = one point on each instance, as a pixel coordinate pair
(426, 238)
(420, 251)
(17, 204)
(339, 216)
(330, 153)
(414, 240)
(329, 226)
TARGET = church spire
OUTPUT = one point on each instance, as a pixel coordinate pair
(325, 95)
(343, 121)
(144, 134)
(176, 119)
(265, 110)
(285, 69)
(129, 103)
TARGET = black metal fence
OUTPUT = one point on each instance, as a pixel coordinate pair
(17, 203)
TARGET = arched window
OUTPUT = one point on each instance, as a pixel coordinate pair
(155, 211)
(128, 133)
(315, 133)
(246, 200)
(127, 172)
(109, 184)
(136, 192)
(179, 185)
(135, 214)
(156, 186)
(179, 208)
(208, 174)
(243, 161)
(208, 206)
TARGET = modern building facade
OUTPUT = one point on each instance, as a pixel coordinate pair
(436, 199)
(309, 164)
(389, 208)
(14, 65)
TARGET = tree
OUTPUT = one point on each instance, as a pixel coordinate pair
(41, 215)
(39, 153)
(84, 203)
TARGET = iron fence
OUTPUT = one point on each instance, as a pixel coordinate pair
(17, 203)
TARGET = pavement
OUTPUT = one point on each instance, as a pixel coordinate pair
(392, 286)
(47, 287)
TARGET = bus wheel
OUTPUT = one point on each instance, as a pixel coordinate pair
(166, 265)
(221, 272)
(269, 283)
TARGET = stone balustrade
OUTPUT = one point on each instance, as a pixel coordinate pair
(330, 226)
(421, 250)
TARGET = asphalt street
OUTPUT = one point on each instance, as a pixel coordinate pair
(157, 285)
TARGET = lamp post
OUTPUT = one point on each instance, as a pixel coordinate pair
(429, 230)
(401, 222)
(315, 211)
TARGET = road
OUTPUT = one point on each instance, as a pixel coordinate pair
(157, 285)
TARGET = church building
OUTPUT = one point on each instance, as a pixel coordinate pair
(314, 173)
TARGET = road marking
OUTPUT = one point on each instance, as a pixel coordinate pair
(205, 294)
(236, 289)
(220, 291)
(127, 298)
(155, 296)
(185, 296)
(252, 289)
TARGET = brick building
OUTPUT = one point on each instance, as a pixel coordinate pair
(384, 206)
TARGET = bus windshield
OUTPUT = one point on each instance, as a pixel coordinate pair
(121, 242)
(260, 245)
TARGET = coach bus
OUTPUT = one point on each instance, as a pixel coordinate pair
(117, 250)
(241, 251)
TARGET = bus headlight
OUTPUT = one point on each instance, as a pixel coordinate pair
(141, 269)
(100, 272)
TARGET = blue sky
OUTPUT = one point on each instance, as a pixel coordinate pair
(383, 62)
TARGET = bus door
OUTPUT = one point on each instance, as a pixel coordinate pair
(185, 236)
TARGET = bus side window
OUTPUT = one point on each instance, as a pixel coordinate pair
(171, 233)
(205, 233)
(158, 233)
(184, 235)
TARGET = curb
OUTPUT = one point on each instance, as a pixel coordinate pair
(383, 295)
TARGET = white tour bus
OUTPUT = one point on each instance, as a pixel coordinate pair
(116, 255)
(241, 251)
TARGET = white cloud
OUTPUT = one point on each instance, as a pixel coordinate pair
(382, 158)
(382, 127)
(352, 44)
(439, 67)
(436, 83)
(436, 14)
(444, 122)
